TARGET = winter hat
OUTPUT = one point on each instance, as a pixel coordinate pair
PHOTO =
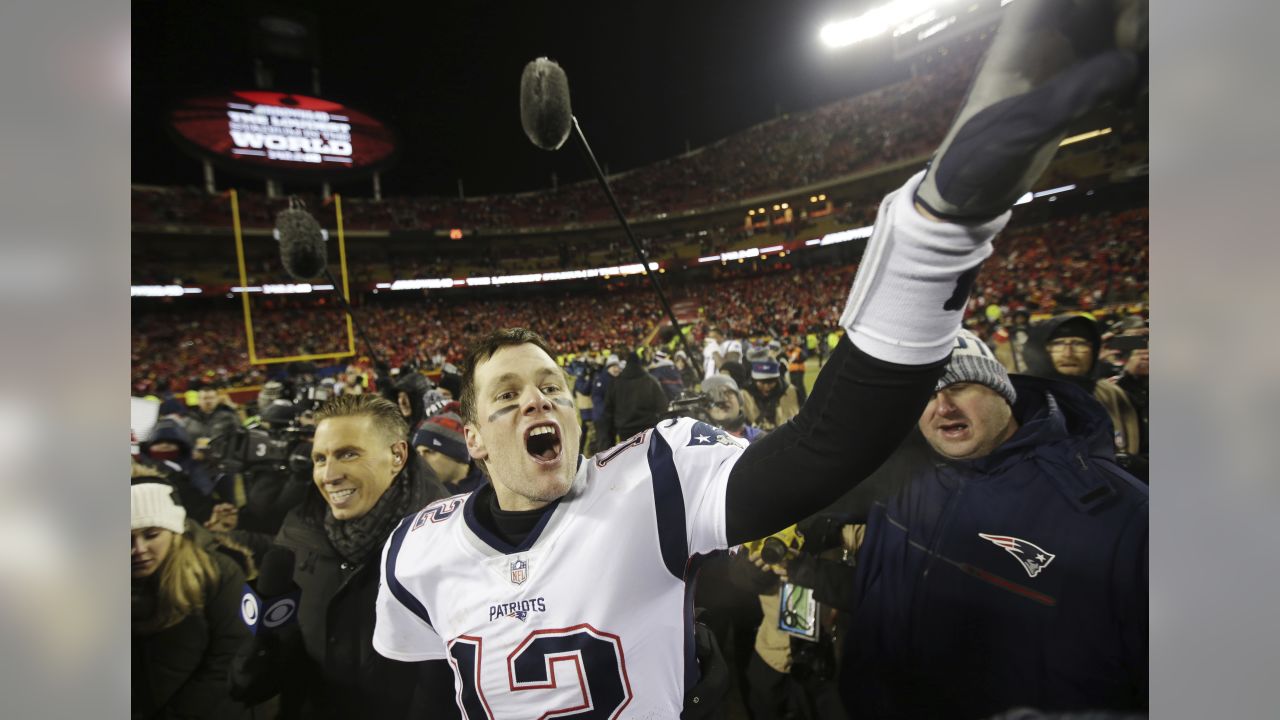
(973, 362)
(1078, 326)
(152, 505)
(444, 406)
(443, 433)
(172, 406)
(764, 370)
(717, 385)
(613, 360)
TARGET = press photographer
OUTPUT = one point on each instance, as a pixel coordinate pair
(801, 574)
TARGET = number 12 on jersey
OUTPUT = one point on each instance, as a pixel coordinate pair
(596, 656)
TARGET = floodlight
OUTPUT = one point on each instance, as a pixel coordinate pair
(901, 16)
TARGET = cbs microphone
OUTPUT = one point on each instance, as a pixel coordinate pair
(271, 601)
(269, 606)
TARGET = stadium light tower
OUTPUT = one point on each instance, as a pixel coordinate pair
(900, 16)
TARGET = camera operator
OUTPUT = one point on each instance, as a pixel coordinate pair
(791, 677)
(276, 486)
(772, 689)
(271, 458)
(725, 409)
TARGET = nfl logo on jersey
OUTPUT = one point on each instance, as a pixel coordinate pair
(519, 571)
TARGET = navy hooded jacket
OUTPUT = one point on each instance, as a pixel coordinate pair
(1016, 579)
(193, 480)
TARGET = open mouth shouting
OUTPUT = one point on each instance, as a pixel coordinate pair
(542, 442)
(954, 430)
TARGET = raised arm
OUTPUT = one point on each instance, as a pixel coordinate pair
(1050, 63)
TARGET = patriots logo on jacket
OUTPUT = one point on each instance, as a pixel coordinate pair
(1032, 557)
(709, 435)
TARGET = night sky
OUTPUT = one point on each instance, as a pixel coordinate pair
(645, 77)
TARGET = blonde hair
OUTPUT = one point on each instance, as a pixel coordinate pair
(183, 579)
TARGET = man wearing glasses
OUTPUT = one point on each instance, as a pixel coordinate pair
(1066, 348)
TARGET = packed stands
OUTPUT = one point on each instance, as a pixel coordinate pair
(1081, 262)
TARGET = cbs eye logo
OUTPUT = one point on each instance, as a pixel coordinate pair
(249, 609)
(276, 615)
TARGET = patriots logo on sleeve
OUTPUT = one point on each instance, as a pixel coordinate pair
(709, 435)
(1032, 557)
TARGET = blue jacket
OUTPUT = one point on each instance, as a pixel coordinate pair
(198, 476)
(599, 388)
(667, 374)
(1017, 579)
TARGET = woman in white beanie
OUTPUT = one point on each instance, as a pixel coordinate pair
(186, 623)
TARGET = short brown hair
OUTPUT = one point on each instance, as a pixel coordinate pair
(482, 350)
(385, 414)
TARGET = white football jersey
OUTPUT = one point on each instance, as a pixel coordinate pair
(710, 348)
(590, 617)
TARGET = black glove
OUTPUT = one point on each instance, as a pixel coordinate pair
(1052, 61)
(704, 699)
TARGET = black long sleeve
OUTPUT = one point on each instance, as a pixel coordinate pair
(858, 413)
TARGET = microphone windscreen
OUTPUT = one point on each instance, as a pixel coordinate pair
(544, 104)
(301, 244)
(275, 577)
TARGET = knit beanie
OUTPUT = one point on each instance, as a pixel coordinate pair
(443, 433)
(973, 362)
(716, 386)
(152, 505)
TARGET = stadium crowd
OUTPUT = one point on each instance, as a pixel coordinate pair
(1084, 263)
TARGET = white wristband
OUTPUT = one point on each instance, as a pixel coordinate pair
(908, 298)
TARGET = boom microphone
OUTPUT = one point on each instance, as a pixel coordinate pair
(544, 104)
(302, 249)
(548, 120)
(302, 252)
